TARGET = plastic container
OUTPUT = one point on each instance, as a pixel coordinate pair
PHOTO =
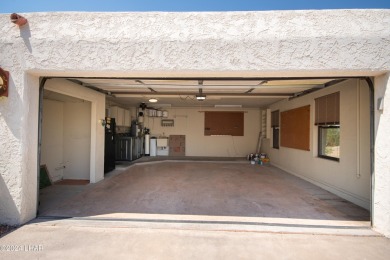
(153, 146)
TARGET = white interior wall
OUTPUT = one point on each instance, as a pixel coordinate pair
(77, 140)
(190, 122)
(66, 139)
(52, 148)
(97, 112)
(350, 177)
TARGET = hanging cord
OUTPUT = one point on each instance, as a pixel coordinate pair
(186, 98)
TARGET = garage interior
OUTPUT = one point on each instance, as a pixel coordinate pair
(207, 171)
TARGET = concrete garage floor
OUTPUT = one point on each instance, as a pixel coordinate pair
(201, 188)
(232, 210)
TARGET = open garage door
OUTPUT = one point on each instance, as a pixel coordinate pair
(329, 179)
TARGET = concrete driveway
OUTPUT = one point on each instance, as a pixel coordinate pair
(136, 239)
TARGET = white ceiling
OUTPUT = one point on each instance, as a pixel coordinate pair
(250, 93)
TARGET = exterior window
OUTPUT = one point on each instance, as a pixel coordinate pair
(327, 118)
(275, 129)
(329, 142)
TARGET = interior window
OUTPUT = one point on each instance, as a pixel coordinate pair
(329, 142)
(327, 118)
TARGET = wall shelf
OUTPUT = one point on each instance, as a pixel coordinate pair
(167, 122)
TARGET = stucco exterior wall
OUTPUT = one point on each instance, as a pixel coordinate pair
(18, 189)
(381, 203)
(276, 43)
(252, 42)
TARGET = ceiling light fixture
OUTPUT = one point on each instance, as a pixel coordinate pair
(200, 96)
(153, 100)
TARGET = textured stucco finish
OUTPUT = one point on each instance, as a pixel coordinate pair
(236, 41)
(18, 146)
(381, 202)
(276, 43)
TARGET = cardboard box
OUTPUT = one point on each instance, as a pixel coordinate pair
(177, 141)
(177, 144)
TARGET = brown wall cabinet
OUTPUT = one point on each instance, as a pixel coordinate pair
(295, 128)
